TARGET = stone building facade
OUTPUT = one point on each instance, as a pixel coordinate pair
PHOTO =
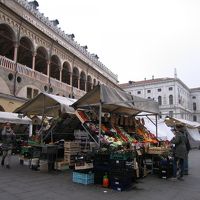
(37, 56)
(175, 99)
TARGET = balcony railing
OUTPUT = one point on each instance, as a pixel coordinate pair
(37, 76)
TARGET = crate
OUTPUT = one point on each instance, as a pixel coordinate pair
(83, 178)
(62, 165)
(122, 156)
(70, 145)
(121, 164)
(84, 165)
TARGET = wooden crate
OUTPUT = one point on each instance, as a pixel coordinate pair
(62, 165)
(71, 145)
(83, 166)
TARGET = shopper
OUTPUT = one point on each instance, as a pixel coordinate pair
(8, 140)
(188, 147)
(180, 152)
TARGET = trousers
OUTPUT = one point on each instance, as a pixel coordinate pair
(178, 163)
(7, 156)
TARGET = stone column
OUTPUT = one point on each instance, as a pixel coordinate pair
(33, 60)
(15, 52)
(78, 82)
(48, 68)
(71, 75)
(60, 74)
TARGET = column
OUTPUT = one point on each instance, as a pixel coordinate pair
(48, 68)
(71, 75)
(60, 68)
(79, 83)
(33, 60)
(15, 52)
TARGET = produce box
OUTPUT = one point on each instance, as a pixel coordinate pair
(83, 178)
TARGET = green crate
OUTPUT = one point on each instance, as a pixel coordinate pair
(122, 155)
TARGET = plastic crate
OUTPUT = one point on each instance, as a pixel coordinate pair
(83, 178)
(122, 156)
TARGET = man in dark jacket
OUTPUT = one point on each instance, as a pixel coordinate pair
(8, 139)
(188, 147)
(180, 152)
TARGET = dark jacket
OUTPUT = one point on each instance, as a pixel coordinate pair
(180, 145)
(8, 139)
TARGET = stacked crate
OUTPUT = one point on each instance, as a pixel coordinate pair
(122, 173)
(70, 151)
(101, 166)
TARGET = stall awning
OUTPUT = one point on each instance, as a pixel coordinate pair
(116, 101)
(47, 104)
(172, 121)
(14, 118)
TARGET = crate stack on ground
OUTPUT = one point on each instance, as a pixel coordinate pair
(122, 174)
(83, 171)
(101, 166)
(70, 151)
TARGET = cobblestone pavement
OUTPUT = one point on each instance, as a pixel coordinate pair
(21, 183)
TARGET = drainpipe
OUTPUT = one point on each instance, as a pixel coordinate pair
(16, 55)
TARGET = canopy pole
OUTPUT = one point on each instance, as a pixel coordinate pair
(100, 112)
(30, 129)
(156, 126)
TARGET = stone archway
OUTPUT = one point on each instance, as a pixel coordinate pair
(7, 41)
(89, 83)
(41, 60)
(82, 80)
(75, 77)
(2, 109)
(25, 52)
(55, 67)
(66, 73)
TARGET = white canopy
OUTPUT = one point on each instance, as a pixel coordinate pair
(163, 131)
(16, 118)
(47, 104)
(172, 121)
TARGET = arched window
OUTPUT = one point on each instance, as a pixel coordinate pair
(25, 52)
(66, 73)
(194, 118)
(7, 38)
(159, 100)
(171, 101)
(75, 77)
(2, 109)
(194, 106)
(41, 60)
(82, 81)
(55, 67)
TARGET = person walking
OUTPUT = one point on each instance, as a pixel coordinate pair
(188, 147)
(180, 152)
(8, 140)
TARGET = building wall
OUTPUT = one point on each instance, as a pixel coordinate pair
(182, 105)
(36, 56)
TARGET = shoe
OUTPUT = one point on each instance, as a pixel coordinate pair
(180, 178)
(8, 166)
(173, 179)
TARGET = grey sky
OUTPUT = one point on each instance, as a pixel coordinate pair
(135, 38)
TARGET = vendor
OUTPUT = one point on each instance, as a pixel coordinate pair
(180, 152)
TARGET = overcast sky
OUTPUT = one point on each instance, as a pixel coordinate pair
(135, 39)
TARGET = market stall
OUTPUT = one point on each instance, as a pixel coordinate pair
(108, 115)
(15, 118)
(58, 123)
(192, 129)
